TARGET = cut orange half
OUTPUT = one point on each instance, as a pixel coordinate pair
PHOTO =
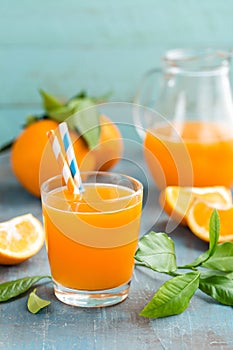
(20, 239)
(198, 219)
(176, 200)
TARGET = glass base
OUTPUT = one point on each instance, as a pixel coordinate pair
(86, 298)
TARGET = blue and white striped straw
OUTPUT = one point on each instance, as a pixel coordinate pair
(69, 150)
(66, 173)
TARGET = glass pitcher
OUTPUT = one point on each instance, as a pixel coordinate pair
(189, 141)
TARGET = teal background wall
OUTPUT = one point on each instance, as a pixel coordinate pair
(64, 46)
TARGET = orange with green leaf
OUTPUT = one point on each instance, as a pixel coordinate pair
(96, 139)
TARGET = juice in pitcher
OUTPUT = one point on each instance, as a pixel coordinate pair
(188, 128)
(190, 154)
(91, 240)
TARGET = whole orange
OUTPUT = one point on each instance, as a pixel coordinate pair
(32, 159)
(26, 153)
(110, 148)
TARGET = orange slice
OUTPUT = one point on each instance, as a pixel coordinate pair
(176, 200)
(198, 219)
(20, 239)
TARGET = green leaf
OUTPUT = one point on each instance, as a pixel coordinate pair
(156, 250)
(82, 116)
(14, 288)
(81, 94)
(100, 99)
(50, 102)
(210, 273)
(197, 262)
(30, 120)
(222, 259)
(36, 303)
(61, 114)
(85, 120)
(219, 288)
(173, 297)
(214, 229)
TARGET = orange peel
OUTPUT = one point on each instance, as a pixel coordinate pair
(176, 201)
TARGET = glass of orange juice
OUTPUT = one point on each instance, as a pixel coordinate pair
(91, 238)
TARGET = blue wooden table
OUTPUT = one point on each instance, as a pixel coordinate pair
(204, 325)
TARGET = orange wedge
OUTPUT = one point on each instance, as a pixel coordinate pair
(20, 239)
(176, 200)
(198, 219)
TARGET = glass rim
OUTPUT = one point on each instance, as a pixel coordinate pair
(193, 54)
(198, 61)
(103, 173)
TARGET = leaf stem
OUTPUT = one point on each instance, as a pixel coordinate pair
(170, 273)
(187, 267)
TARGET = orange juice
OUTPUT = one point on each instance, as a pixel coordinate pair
(91, 240)
(190, 154)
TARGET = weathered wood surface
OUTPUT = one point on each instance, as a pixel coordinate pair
(204, 325)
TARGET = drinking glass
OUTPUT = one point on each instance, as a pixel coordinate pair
(91, 238)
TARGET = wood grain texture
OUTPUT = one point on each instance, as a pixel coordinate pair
(102, 46)
(205, 325)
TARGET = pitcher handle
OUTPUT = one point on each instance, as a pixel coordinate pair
(139, 105)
